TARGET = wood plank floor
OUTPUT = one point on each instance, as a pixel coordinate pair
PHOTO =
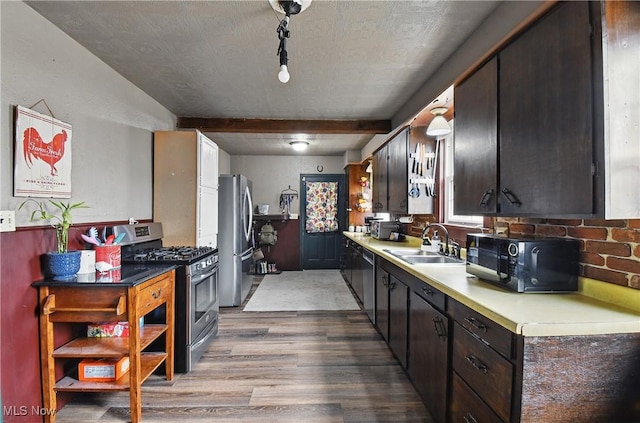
(324, 367)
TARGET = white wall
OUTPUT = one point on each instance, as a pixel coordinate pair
(224, 162)
(272, 174)
(112, 120)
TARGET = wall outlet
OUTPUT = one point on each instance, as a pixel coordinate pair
(501, 230)
(7, 220)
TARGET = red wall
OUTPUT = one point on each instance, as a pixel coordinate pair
(19, 336)
(286, 253)
(19, 322)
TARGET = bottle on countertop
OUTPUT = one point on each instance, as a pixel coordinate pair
(426, 244)
(435, 242)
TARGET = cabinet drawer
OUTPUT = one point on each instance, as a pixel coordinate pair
(466, 406)
(153, 295)
(488, 373)
(431, 295)
(500, 338)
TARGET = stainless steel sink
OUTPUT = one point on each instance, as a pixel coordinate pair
(399, 252)
(432, 259)
(417, 256)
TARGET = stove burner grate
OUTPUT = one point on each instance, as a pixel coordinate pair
(172, 253)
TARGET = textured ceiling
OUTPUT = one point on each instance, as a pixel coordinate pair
(358, 60)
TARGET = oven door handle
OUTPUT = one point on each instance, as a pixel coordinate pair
(202, 277)
(203, 340)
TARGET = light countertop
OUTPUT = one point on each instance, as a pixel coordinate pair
(597, 308)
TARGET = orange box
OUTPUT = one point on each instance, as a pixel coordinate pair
(102, 369)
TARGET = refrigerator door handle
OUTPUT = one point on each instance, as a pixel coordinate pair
(247, 255)
(249, 223)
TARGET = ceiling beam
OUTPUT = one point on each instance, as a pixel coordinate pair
(286, 126)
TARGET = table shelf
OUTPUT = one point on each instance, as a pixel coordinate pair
(149, 362)
(114, 347)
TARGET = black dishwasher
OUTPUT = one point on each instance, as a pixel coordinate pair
(368, 284)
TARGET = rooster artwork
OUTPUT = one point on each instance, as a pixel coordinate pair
(50, 153)
(42, 155)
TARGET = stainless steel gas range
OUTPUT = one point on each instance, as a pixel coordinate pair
(196, 302)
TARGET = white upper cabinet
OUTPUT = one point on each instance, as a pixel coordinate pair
(185, 188)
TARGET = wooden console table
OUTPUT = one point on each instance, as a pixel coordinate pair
(77, 302)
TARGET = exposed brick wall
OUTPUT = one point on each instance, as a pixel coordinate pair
(609, 249)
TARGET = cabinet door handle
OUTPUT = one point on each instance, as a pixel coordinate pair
(511, 197)
(427, 291)
(441, 331)
(468, 418)
(475, 362)
(385, 281)
(157, 294)
(486, 197)
(476, 323)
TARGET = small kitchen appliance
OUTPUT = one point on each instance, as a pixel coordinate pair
(525, 264)
(382, 229)
(196, 288)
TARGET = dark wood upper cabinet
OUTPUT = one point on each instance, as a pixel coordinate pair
(524, 124)
(545, 128)
(476, 142)
(546, 119)
(379, 180)
(390, 175)
(398, 176)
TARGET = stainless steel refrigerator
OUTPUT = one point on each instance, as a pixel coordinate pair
(235, 246)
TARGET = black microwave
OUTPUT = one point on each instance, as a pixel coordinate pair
(526, 264)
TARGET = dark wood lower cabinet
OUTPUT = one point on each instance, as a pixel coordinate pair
(398, 318)
(382, 302)
(470, 369)
(428, 355)
(488, 373)
(466, 406)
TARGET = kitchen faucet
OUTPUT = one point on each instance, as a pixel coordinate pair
(445, 249)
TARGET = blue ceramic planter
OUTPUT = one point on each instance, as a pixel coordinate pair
(61, 266)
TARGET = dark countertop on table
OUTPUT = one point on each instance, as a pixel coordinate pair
(126, 275)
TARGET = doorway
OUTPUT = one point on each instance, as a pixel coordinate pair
(322, 220)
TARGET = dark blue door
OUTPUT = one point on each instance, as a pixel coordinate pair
(322, 220)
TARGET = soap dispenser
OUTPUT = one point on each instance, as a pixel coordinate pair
(435, 242)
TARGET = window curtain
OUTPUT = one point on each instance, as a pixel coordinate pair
(322, 207)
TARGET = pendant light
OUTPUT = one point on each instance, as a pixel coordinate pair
(288, 7)
(439, 125)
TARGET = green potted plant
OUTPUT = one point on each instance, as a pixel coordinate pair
(61, 264)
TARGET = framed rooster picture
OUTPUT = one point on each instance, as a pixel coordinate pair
(42, 162)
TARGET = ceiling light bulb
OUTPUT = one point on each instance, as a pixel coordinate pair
(299, 145)
(283, 75)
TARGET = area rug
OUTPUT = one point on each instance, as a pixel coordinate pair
(305, 290)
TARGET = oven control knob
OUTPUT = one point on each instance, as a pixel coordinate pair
(513, 249)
